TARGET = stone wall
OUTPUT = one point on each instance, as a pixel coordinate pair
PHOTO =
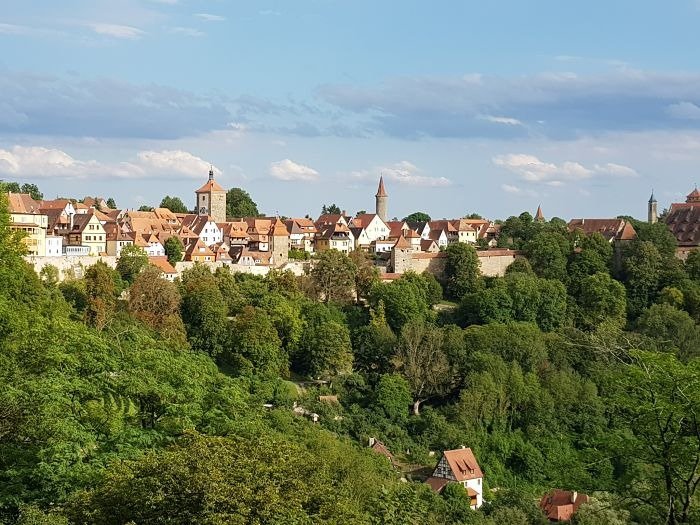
(70, 266)
(493, 262)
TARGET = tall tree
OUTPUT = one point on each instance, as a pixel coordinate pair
(658, 399)
(132, 260)
(328, 350)
(421, 360)
(334, 276)
(641, 268)
(254, 344)
(461, 270)
(101, 295)
(330, 209)
(548, 253)
(112, 205)
(174, 204)
(33, 191)
(240, 204)
(203, 311)
(174, 249)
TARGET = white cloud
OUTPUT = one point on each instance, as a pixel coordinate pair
(210, 18)
(289, 170)
(187, 31)
(684, 110)
(39, 162)
(502, 120)
(508, 188)
(118, 31)
(402, 172)
(531, 169)
(12, 29)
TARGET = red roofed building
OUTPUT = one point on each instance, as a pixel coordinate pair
(561, 505)
(211, 199)
(683, 221)
(459, 466)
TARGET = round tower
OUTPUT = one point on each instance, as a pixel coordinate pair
(652, 210)
(381, 201)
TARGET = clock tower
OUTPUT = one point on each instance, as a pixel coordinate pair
(211, 199)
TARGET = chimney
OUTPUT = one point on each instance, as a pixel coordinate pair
(574, 495)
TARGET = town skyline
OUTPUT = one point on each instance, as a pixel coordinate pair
(462, 109)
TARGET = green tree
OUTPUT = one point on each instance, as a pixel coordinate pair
(174, 204)
(659, 235)
(692, 264)
(203, 311)
(673, 329)
(657, 398)
(328, 350)
(112, 205)
(402, 299)
(373, 344)
(417, 216)
(601, 299)
(254, 344)
(641, 268)
(548, 253)
(174, 249)
(101, 295)
(367, 274)
(156, 302)
(240, 204)
(132, 260)
(330, 209)
(393, 397)
(334, 276)
(10, 187)
(420, 358)
(520, 265)
(49, 275)
(461, 270)
(32, 190)
(145, 207)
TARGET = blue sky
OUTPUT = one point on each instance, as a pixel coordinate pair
(490, 107)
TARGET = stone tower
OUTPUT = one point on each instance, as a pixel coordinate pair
(211, 199)
(381, 201)
(279, 246)
(653, 215)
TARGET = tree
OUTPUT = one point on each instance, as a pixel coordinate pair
(10, 187)
(173, 249)
(601, 299)
(673, 329)
(692, 264)
(203, 311)
(657, 398)
(421, 360)
(132, 260)
(548, 253)
(331, 209)
(101, 295)
(146, 208)
(240, 204)
(254, 344)
(367, 273)
(641, 269)
(174, 204)
(112, 205)
(393, 397)
(33, 191)
(328, 350)
(417, 216)
(659, 235)
(156, 302)
(374, 344)
(334, 276)
(402, 299)
(461, 270)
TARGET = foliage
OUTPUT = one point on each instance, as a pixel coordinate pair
(402, 299)
(254, 345)
(100, 293)
(240, 204)
(174, 250)
(461, 270)
(330, 209)
(417, 216)
(174, 204)
(203, 310)
(334, 276)
(132, 260)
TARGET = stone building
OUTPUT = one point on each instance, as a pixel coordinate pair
(211, 199)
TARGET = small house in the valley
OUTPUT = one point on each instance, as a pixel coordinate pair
(560, 505)
(459, 466)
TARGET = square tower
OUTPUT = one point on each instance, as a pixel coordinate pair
(211, 199)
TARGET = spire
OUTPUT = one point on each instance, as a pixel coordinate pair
(381, 192)
(211, 172)
(539, 216)
(652, 198)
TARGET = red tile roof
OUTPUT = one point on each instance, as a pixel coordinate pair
(163, 264)
(210, 185)
(463, 464)
(381, 191)
(561, 505)
(610, 229)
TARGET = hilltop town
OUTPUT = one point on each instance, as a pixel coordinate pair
(68, 232)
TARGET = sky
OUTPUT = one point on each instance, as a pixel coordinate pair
(464, 107)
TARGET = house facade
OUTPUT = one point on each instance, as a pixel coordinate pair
(459, 466)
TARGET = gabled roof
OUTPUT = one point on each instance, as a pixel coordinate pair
(463, 464)
(402, 243)
(610, 229)
(198, 249)
(81, 220)
(23, 203)
(55, 204)
(163, 264)
(363, 220)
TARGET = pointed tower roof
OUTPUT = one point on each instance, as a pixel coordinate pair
(211, 184)
(539, 216)
(381, 191)
(693, 196)
(652, 198)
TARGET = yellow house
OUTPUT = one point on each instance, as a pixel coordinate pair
(85, 229)
(26, 217)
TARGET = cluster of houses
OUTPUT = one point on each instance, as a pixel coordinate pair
(62, 227)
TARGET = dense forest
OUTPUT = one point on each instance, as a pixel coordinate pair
(125, 398)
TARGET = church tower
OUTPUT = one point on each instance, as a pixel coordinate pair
(381, 201)
(211, 199)
(653, 215)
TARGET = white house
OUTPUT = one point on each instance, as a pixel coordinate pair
(54, 246)
(459, 466)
